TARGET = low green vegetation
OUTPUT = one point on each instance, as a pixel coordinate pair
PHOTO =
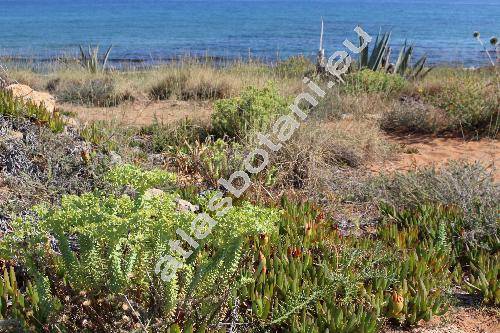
(87, 212)
(368, 81)
(15, 107)
(284, 268)
(252, 112)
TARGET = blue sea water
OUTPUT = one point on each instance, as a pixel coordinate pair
(161, 29)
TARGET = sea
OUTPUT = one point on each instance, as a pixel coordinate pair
(161, 30)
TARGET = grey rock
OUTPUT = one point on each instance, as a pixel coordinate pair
(115, 159)
(153, 193)
(185, 206)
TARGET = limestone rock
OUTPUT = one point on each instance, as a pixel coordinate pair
(115, 159)
(152, 193)
(185, 206)
(38, 98)
(12, 135)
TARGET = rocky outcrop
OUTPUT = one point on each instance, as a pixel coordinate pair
(27, 94)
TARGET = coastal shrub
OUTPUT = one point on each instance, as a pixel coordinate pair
(317, 153)
(38, 165)
(374, 82)
(173, 85)
(296, 67)
(469, 187)
(206, 90)
(410, 115)
(471, 103)
(97, 92)
(254, 110)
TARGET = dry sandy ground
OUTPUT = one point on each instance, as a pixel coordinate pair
(459, 320)
(425, 151)
(142, 113)
(419, 150)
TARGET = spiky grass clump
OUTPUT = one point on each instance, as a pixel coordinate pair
(92, 92)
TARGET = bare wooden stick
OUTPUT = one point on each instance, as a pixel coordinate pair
(320, 64)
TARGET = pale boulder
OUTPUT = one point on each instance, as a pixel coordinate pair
(27, 94)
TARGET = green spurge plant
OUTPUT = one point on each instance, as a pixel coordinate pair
(254, 110)
(107, 244)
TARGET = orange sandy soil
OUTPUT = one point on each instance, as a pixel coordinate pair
(420, 150)
(458, 320)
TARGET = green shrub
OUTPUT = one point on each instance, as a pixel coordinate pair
(470, 103)
(296, 67)
(253, 111)
(374, 82)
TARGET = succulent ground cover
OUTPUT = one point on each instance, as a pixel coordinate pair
(317, 244)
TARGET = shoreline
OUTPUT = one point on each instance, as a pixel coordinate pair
(480, 60)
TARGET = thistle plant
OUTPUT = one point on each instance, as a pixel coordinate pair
(477, 36)
(496, 45)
